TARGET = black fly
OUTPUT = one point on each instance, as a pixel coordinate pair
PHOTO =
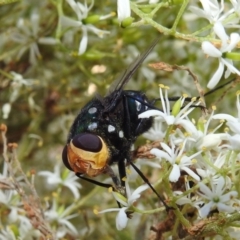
(104, 131)
(106, 128)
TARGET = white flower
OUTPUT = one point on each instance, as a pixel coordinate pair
(122, 218)
(210, 169)
(60, 215)
(6, 109)
(228, 44)
(203, 139)
(177, 159)
(16, 216)
(7, 197)
(211, 141)
(82, 11)
(28, 37)
(234, 142)
(26, 229)
(10, 199)
(166, 114)
(17, 83)
(212, 10)
(184, 199)
(69, 180)
(236, 6)
(232, 122)
(123, 9)
(217, 197)
(7, 233)
(156, 132)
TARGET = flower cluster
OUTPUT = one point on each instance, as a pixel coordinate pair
(27, 34)
(127, 203)
(17, 84)
(206, 158)
(14, 213)
(83, 23)
(49, 53)
(221, 17)
(65, 179)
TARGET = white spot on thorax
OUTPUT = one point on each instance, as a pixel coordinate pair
(92, 110)
(120, 134)
(146, 107)
(92, 126)
(111, 128)
(138, 105)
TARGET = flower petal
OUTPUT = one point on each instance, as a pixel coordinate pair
(161, 154)
(140, 189)
(230, 67)
(205, 190)
(220, 31)
(83, 43)
(150, 113)
(121, 219)
(226, 197)
(234, 39)
(224, 208)
(191, 173)
(123, 9)
(175, 173)
(225, 116)
(204, 211)
(209, 49)
(216, 77)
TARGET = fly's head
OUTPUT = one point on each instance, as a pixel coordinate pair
(86, 153)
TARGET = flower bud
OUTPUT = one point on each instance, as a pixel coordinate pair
(91, 19)
(176, 107)
(127, 22)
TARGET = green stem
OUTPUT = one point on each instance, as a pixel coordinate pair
(160, 5)
(191, 190)
(59, 7)
(156, 210)
(147, 19)
(168, 133)
(234, 168)
(180, 13)
(6, 74)
(209, 163)
(82, 201)
(208, 27)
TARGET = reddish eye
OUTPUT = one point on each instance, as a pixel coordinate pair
(65, 158)
(86, 153)
(88, 142)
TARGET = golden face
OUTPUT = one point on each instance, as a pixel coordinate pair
(87, 154)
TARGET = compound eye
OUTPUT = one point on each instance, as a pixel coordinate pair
(65, 158)
(88, 142)
(87, 154)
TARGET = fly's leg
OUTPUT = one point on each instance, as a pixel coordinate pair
(149, 184)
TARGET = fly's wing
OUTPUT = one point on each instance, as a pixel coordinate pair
(125, 77)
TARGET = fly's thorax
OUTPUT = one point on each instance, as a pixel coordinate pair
(87, 120)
